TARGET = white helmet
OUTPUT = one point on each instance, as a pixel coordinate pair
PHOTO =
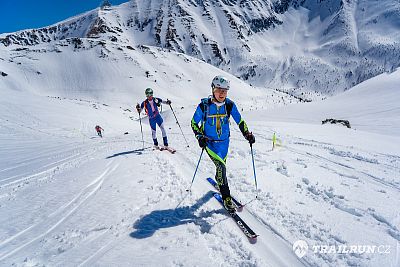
(220, 82)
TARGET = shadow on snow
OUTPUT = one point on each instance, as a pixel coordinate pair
(136, 151)
(148, 224)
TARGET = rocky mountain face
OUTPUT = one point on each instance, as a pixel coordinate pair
(308, 48)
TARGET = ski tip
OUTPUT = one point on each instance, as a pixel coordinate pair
(239, 209)
(253, 240)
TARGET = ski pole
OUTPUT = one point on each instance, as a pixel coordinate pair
(194, 175)
(254, 168)
(178, 124)
(141, 128)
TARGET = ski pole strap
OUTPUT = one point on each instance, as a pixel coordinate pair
(254, 168)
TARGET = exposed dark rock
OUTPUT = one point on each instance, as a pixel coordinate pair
(335, 121)
(281, 6)
(77, 42)
(261, 24)
(217, 52)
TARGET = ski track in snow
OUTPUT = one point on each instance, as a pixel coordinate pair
(60, 215)
(53, 167)
(168, 185)
(225, 244)
(361, 168)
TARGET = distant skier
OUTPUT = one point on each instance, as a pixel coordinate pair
(150, 106)
(98, 130)
(213, 114)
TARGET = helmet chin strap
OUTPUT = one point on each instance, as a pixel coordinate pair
(215, 97)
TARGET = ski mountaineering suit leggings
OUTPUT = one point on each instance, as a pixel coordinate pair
(157, 120)
(218, 151)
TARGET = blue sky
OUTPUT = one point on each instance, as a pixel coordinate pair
(25, 14)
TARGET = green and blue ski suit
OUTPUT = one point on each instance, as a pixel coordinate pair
(213, 118)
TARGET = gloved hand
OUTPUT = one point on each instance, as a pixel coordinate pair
(202, 141)
(168, 102)
(250, 137)
(138, 108)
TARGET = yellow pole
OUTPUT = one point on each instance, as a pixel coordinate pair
(273, 141)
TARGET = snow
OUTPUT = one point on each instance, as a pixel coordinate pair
(370, 106)
(71, 198)
(68, 197)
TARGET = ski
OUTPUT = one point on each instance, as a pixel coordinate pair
(239, 221)
(162, 148)
(170, 149)
(239, 206)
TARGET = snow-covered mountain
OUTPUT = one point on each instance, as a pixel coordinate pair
(308, 48)
(109, 72)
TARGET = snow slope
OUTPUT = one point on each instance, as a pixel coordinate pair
(103, 70)
(370, 106)
(70, 198)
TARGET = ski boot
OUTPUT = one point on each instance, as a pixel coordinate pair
(229, 205)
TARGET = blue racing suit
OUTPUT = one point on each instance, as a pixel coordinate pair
(214, 125)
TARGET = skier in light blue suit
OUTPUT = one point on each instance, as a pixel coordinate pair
(213, 134)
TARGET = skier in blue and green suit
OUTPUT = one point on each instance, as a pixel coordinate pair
(213, 133)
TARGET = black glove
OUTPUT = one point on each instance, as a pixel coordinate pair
(202, 141)
(168, 102)
(250, 137)
(138, 108)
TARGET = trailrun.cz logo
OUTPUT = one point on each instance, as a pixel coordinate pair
(300, 248)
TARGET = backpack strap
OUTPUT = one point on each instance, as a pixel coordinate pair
(156, 100)
(204, 105)
(229, 106)
(145, 106)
